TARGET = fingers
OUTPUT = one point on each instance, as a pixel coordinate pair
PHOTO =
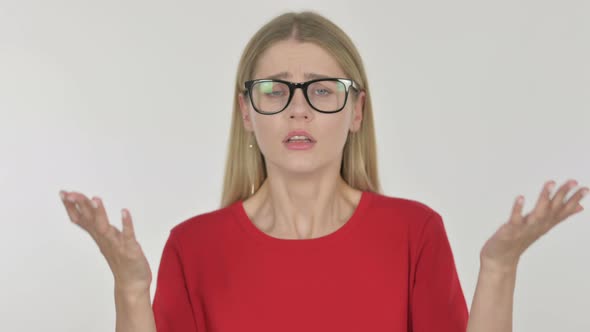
(78, 212)
(128, 230)
(101, 221)
(86, 209)
(69, 203)
(551, 211)
(92, 219)
(516, 215)
(557, 201)
(573, 204)
(544, 200)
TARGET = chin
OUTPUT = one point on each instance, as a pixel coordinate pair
(295, 164)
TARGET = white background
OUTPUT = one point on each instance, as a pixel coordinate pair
(475, 103)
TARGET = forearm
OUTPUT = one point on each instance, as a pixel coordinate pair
(491, 309)
(134, 312)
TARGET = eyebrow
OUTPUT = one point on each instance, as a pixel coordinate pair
(308, 76)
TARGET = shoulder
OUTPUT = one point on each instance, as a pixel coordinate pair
(203, 225)
(413, 216)
(421, 225)
(401, 208)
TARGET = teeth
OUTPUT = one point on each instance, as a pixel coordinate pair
(299, 138)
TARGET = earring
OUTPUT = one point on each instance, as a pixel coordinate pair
(252, 185)
(250, 146)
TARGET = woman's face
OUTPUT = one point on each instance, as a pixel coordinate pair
(299, 62)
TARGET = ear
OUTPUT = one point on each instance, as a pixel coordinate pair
(359, 106)
(245, 111)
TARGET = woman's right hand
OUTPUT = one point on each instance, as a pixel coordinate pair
(123, 253)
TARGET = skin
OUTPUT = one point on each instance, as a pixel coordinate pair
(304, 197)
(492, 306)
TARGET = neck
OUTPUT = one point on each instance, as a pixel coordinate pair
(299, 208)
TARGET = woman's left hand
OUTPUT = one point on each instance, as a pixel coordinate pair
(503, 250)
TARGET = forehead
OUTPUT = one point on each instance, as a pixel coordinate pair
(295, 60)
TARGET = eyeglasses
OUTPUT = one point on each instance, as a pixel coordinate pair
(325, 95)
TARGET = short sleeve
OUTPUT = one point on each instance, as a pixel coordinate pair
(437, 299)
(172, 306)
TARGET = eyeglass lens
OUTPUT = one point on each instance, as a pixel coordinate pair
(272, 96)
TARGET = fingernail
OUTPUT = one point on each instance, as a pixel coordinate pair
(71, 199)
(585, 192)
(62, 195)
(123, 213)
(551, 186)
(94, 203)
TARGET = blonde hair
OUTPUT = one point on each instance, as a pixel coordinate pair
(245, 168)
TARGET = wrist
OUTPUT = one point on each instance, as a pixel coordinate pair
(490, 267)
(131, 296)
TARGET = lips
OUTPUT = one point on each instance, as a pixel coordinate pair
(298, 133)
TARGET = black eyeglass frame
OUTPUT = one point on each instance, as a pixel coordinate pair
(303, 86)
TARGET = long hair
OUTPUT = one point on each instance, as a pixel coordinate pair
(245, 168)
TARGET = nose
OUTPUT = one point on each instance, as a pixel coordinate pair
(298, 107)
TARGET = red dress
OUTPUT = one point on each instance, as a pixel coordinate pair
(389, 268)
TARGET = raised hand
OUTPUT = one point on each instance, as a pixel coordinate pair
(123, 253)
(504, 248)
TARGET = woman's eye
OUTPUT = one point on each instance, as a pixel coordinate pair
(275, 93)
(271, 89)
(322, 92)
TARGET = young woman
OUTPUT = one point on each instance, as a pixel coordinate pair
(304, 240)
